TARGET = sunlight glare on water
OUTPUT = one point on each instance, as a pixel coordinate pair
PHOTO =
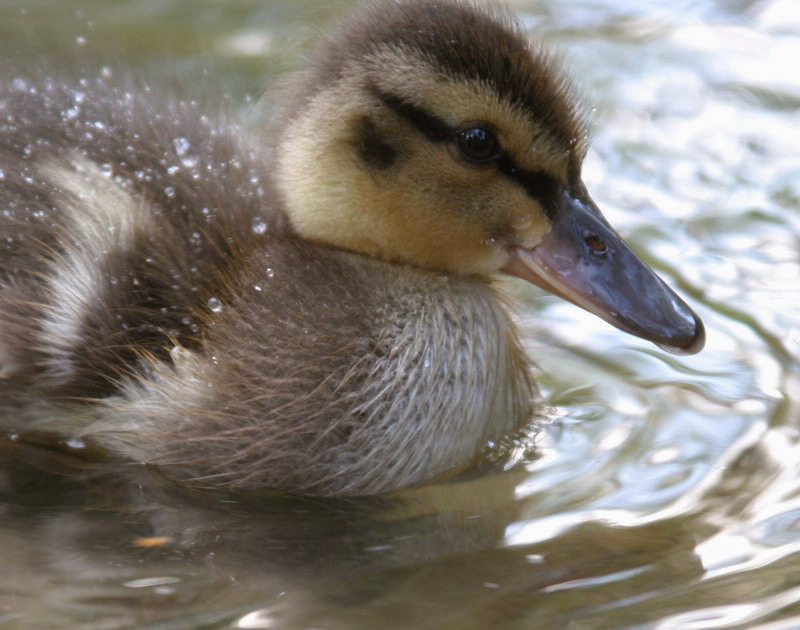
(661, 492)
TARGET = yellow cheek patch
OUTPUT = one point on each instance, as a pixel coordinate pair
(450, 217)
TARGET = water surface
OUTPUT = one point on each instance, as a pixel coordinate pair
(662, 492)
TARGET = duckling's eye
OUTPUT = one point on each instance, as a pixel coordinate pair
(477, 144)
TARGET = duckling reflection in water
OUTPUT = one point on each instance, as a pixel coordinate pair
(319, 318)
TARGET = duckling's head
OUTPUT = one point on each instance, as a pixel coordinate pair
(432, 133)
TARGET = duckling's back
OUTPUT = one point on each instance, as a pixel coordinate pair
(154, 298)
(121, 213)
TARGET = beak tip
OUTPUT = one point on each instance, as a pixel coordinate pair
(692, 343)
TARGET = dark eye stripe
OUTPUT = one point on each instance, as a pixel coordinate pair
(538, 184)
(433, 128)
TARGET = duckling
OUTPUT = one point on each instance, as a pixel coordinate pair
(318, 316)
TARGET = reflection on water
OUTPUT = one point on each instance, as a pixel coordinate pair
(665, 492)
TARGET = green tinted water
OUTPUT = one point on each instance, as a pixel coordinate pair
(664, 492)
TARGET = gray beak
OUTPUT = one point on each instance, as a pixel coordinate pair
(583, 260)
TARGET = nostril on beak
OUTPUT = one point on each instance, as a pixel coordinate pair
(595, 243)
